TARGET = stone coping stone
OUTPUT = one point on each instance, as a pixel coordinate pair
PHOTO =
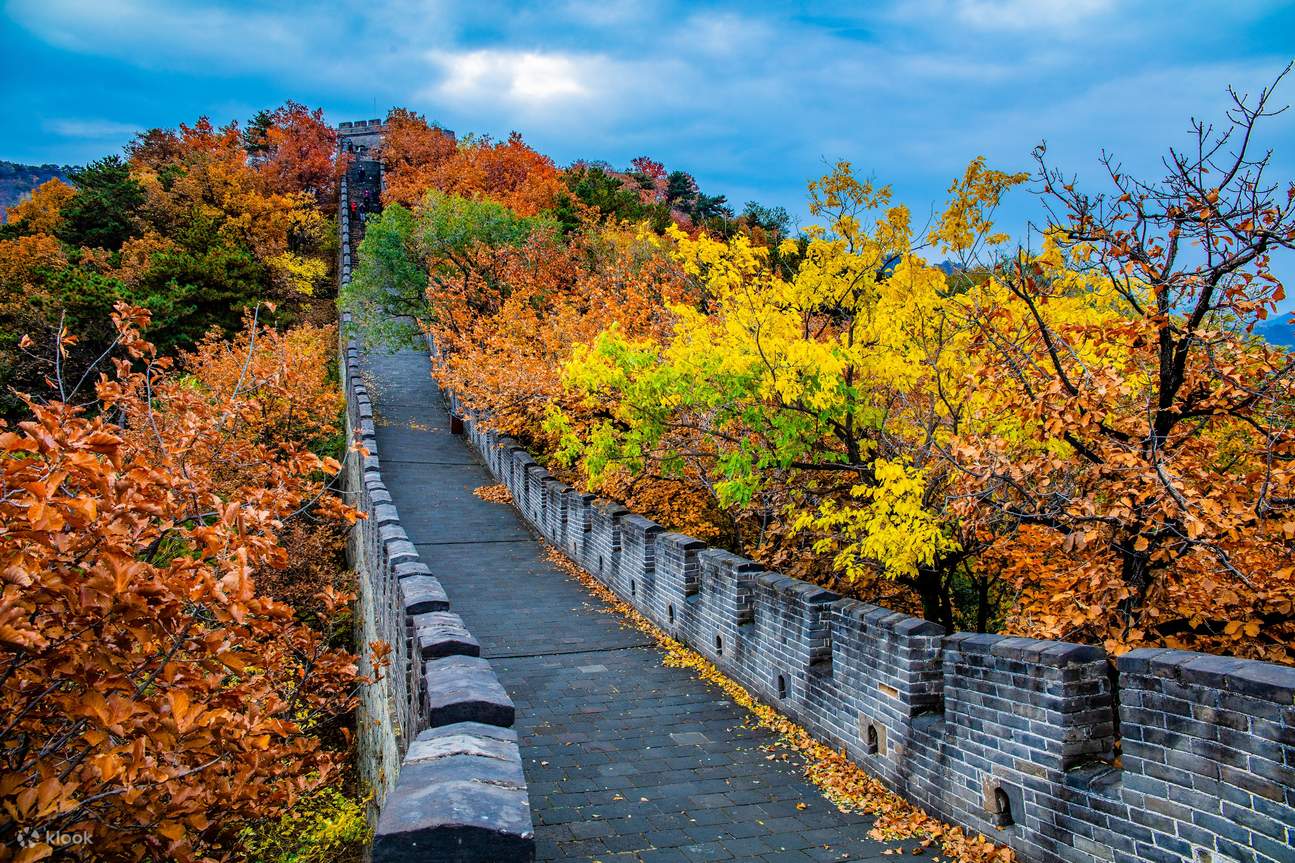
(811, 594)
(633, 523)
(465, 689)
(420, 594)
(443, 633)
(1038, 651)
(407, 568)
(491, 761)
(473, 729)
(680, 541)
(460, 798)
(1249, 677)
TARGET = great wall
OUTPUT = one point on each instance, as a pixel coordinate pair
(1040, 745)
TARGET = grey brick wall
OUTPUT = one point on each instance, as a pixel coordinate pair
(1010, 737)
(638, 559)
(434, 737)
(678, 583)
(602, 547)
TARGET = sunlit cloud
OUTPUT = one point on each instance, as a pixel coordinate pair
(527, 78)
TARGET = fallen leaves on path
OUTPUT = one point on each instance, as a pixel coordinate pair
(842, 781)
(494, 493)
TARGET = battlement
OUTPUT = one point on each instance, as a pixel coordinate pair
(353, 127)
(1011, 737)
(364, 137)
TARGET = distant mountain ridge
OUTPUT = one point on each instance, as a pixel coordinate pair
(17, 180)
(1278, 330)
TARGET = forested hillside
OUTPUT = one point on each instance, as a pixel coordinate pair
(1083, 439)
(175, 618)
(18, 181)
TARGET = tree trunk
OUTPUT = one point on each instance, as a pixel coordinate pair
(932, 588)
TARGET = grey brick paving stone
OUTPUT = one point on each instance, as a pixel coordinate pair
(624, 758)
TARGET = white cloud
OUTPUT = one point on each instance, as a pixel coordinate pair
(90, 129)
(723, 34)
(526, 79)
(1025, 14)
(604, 13)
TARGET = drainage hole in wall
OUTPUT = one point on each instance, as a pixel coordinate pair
(782, 686)
(874, 743)
(634, 588)
(669, 611)
(1003, 805)
(719, 645)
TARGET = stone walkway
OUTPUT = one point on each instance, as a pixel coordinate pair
(626, 760)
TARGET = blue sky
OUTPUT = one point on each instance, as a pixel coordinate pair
(750, 98)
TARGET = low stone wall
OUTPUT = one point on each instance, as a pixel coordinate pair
(1011, 737)
(435, 739)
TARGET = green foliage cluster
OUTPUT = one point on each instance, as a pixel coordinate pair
(442, 240)
(593, 186)
(325, 827)
(102, 214)
(620, 197)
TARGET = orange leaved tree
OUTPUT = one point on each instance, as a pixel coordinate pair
(418, 157)
(152, 702)
(1146, 444)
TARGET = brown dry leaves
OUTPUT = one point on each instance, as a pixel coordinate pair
(494, 493)
(172, 702)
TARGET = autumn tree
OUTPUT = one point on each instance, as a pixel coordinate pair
(201, 192)
(185, 226)
(418, 157)
(508, 172)
(153, 698)
(413, 151)
(42, 212)
(504, 343)
(809, 405)
(1149, 462)
(297, 152)
(650, 177)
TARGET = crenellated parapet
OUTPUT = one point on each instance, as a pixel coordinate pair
(1012, 737)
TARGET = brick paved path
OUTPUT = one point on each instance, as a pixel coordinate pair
(626, 760)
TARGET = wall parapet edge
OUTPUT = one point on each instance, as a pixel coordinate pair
(1010, 737)
(435, 743)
